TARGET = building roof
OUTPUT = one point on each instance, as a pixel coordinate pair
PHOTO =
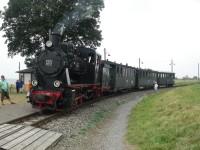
(28, 70)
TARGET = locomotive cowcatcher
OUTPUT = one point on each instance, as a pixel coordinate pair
(65, 76)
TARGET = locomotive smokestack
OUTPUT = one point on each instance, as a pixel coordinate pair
(55, 38)
(56, 35)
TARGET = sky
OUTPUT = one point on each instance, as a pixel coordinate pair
(155, 31)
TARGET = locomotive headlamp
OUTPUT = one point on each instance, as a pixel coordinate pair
(34, 82)
(49, 43)
(57, 83)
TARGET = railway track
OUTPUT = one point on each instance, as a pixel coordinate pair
(35, 119)
(38, 119)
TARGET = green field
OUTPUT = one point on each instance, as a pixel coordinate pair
(185, 82)
(167, 120)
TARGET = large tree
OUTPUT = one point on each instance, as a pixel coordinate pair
(27, 22)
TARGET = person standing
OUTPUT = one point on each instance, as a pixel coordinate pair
(4, 90)
(155, 86)
(17, 86)
(21, 84)
(29, 86)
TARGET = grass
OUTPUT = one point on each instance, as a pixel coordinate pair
(16, 97)
(167, 120)
(99, 116)
(185, 82)
(96, 118)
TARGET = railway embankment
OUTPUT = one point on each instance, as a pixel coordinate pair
(167, 120)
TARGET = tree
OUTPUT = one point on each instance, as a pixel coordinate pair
(27, 22)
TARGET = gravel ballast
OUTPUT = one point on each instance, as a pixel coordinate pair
(101, 125)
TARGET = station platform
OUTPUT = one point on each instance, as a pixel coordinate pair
(10, 112)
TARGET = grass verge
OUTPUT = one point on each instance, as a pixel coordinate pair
(167, 120)
(180, 82)
(99, 116)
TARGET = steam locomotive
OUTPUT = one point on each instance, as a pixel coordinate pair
(66, 76)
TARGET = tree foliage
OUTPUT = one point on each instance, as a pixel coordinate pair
(27, 22)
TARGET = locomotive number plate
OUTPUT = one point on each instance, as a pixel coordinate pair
(49, 62)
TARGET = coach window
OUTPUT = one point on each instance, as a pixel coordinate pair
(117, 69)
(124, 72)
(91, 58)
(128, 72)
(98, 59)
(121, 71)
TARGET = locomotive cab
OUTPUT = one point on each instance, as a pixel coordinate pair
(86, 68)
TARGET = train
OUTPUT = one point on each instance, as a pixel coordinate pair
(67, 76)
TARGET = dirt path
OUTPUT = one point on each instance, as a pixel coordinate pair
(110, 134)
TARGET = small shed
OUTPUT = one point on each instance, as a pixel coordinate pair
(26, 75)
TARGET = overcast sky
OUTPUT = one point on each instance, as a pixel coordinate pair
(154, 30)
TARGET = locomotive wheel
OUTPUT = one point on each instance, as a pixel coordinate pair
(69, 100)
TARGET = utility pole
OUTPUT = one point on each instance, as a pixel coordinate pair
(104, 53)
(19, 69)
(140, 62)
(198, 72)
(172, 65)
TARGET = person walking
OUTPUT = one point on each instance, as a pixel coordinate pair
(4, 90)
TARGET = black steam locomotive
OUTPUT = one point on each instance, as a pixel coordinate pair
(66, 76)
